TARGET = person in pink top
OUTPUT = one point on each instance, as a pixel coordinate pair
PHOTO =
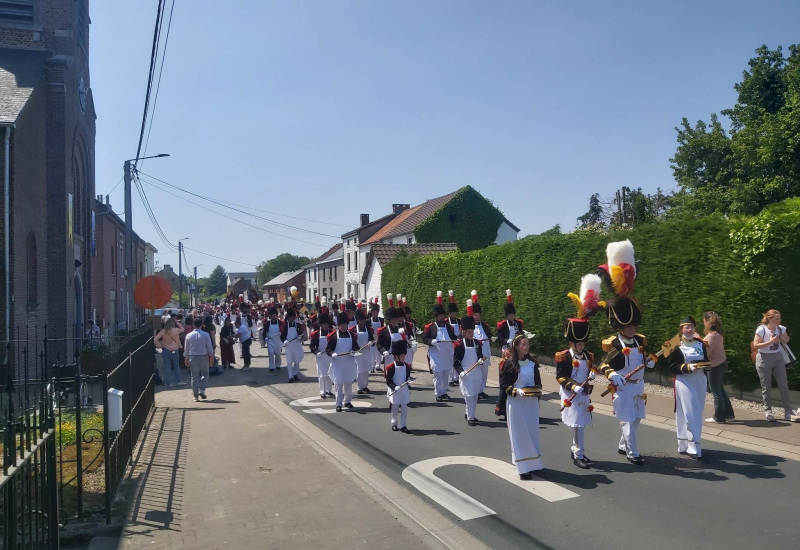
(723, 411)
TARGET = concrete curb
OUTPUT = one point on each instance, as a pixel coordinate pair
(435, 529)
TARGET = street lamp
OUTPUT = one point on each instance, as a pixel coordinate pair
(180, 271)
(128, 210)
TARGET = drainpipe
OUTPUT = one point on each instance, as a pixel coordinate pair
(6, 231)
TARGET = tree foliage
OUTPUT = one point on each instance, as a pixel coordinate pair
(217, 281)
(277, 265)
(756, 161)
(627, 208)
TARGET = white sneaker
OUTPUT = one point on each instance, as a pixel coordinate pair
(794, 418)
(769, 416)
(712, 420)
(787, 415)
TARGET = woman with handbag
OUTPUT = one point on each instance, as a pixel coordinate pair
(521, 382)
(768, 341)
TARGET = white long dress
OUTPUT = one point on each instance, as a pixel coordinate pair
(690, 398)
(523, 423)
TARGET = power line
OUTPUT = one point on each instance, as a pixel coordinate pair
(122, 177)
(219, 257)
(218, 203)
(150, 214)
(221, 202)
(228, 217)
(160, 72)
(153, 54)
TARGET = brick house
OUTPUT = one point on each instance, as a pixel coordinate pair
(114, 306)
(278, 287)
(47, 124)
(169, 274)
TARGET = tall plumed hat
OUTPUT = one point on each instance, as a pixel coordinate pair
(324, 319)
(360, 315)
(467, 323)
(509, 308)
(351, 303)
(587, 303)
(375, 304)
(452, 306)
(476, 307)
(438, 309)
(399, 347)
(619, 274)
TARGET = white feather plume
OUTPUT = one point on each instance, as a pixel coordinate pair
(438, 293)
(590, 282)
(620, 252)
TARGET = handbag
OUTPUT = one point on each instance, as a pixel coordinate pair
(789, 358)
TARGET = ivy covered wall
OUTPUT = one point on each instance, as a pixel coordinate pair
(739, 268)
(467, 219)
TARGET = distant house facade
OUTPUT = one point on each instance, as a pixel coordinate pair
(278, 288)
(251, 277)
(331, 258)
(354, 255)
(169, 274)
(381, 254)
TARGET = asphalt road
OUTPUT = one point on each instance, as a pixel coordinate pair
(732, 499)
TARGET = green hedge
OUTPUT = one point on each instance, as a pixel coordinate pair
(686, 267)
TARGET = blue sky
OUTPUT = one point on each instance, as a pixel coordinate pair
(327, 109)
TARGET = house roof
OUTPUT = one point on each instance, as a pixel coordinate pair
(364, 231)
(408, 220)
(511, 225)
(330, 254)
(20, 71)
(243, 275)
(283, 278)
(385, 253)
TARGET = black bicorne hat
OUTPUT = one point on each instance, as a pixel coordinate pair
(577, 330)
(688, 320)
(623, 312)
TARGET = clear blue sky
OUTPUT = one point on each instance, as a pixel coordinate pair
(327, 109)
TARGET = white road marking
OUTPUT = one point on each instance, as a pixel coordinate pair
(330, 405)
(422, 476)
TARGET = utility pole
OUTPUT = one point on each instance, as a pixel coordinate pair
(128, 220)
(180, 275)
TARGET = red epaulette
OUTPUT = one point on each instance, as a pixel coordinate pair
(500, 324)
(428, 326)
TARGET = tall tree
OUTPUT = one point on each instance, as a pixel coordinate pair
(756, 161)
(277, 265)
(217, 281)
(594, 217)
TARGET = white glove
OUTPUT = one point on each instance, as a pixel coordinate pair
(385, 353)
(462, 374)
(509, 341)
(578, 390)
(335, 355)
(319, 353)
(592, 375)
(651, 364)
(434, 342)
(480, 361)
(692, 367)
(617, 379)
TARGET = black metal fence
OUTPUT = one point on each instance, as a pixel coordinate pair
(135, 377)
(60, 461)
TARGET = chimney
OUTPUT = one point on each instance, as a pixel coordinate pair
(397, 208)
(364, 219)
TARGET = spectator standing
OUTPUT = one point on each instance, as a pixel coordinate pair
(767, 341)
(199, 354)
(168, 341)
(245, 337)
(723, 411)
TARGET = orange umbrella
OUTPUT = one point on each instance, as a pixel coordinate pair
(152, 292)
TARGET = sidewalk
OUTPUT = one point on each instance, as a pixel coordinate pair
(229, 473)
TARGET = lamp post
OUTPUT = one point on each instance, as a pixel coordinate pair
(128, 213)
(180, 271)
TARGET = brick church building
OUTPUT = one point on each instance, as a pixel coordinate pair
(47, 130)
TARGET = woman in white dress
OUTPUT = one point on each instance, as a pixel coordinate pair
(521, 382)
(687, 362)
